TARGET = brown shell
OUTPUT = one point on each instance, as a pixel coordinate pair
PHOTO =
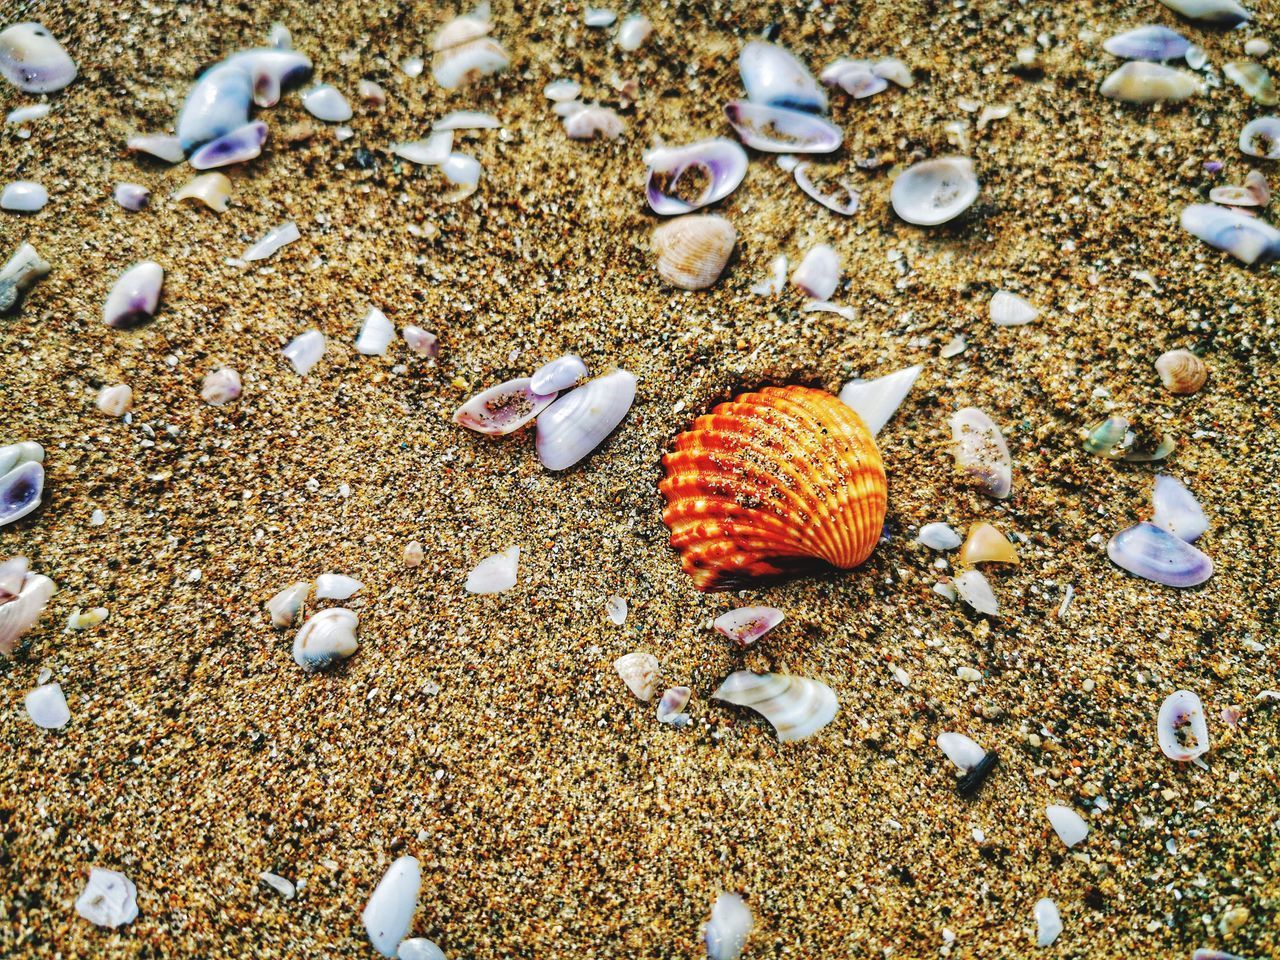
(775, 483)
(1181, 371)
(693, 250)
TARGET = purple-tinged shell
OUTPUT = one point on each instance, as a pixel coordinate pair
(217, 104)
(132, 196)
(774, 77)
(722, 161)
(745, 625)
(271, 70)
(133, 297)
(1155, 554)
(776, 130)
(502, 409)
(1218, 13)
(241, 144)
(33, 60)
(1246, 238)
(1150, 42)
(1261, 138)
(579, 421)
(1176, 510)
(20, 491)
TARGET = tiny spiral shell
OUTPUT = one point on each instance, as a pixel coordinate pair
(693, 250)
(1181, 371)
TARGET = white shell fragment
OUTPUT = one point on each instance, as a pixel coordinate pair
(745, 625)
(33, 60)
(1010, 310)
(598, 17)
(19, 275)
(1217, 13)
(593, 121)
(272, 240)
(158, 145)
(336, 586)
(23, 196)
(773, 76)
(495, 574)
(1181, 728)
(389, 912)
(305, 350)
(432, 151)
(781, 130)
(1067, 824)
(846, 207)
(726, 932)
(109, 899)
(115, 401)
(1048, 922)
(325, 102)
(47, 707)
(284, 606)
(211, 189)
(818, 274)
(562, 91)
(464, 55)
(797, 707)
(1249, 239)
(939, 536)
(20, 614)
(502, 409)
(221, 386)
(616, 608)
(633, 32)
(973, 588)
(961, 750)
(572, 427)
(559, 374)
(1176, 510)
(639, 671)
(876, 401)
(376, 334)
(419, 948)
(420, 341)
(1261, 138)
(721, 163)
(279, 884)
(980, 451)
(134, 296)
(26, 114)
(671, 706)
(1143, 82)
(326, 638)
(87, 619)
(463, 171)
(466, 120)
(934, 191)
(12, 573)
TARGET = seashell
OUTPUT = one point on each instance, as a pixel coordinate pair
(47, 707)
(463, 172)
(1259, 138)
(279, 884)
(420, 341)
(560, 374)
(411, 66)
(1114, 440)
(279, 37)
(745, 625)
(376, 334)
(819, 272)
(1234, 196)
(326, 638)
(1181, 728)
(464, 64)
(986, 544)
(1181, 371)
(35, 111)
(495, 574)
(1155, 554)
(115, 401)
(466, 120)
(861, 83)
(158, 145)
(1197, 57)
(616, 608)
(980, 451)
(1140, 81)
(1218, 13)
(961, 750)
(568, 108)
(109, 899)
(562, 91)
(271, 71)
(1067, 824)
(1010, 310)
(775, 483)
(1150, 42)
(671, 706)
(19, 275)
(774, 77)
(1048, 922)
(719, 162)
(776, 280)
(413, 554)
(132, 196)
(284, 606)
(20, 490)
(633, 32)
(876, 401)
(461, 30)
(1253, 79)
(272, 240)
(846, 207)
(972, 587)
(33, 60)
(598, 18)
(693, 250)
(578, 422)
(134, 296)
(304, 351)
(1246, 238)
(798, 707)
(777, 130)
(221, 386)
(23, 196)
(218, 103)
(325, 102)
(88, 619)
(1176, 510)
(371, 93)
(336, 586)
(639, 671)
(891, 68)
(19, 614)
(15, 454)
(593, 121)
(389, 913)
(211, 189)
(1214, 955)
(418, 948)
(502, 409)
(241, 144)
(938, 536)
(726, 932)
(934, 191)
(12, 573)
(432, 151)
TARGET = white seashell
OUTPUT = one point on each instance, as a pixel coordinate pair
(1218, 13)
(284, 606)
(272, 240)
(671, 706)
(639, 671)
(421, 341)
(133, 297)
(1257, 47)
(745, 625)
(305, 350)
(19, 275)
(47, 707)
(1181, 728)
(413, 554)
(1261, 138)
(1232, 195)
(774, 77)
(88, 619)
(33, 60)
(593, 121)
(463, 172)
(779, 130)
(891, 68)
(462, 30)
(934, 191)
(12, 573)
(389, 912)
(846, 207)
(1254, 79)
(270, 71)
(158, 145)
(336, 586)
(973, 588)
(722, 163)
(572, 427)
(325, 102)
(1142, 82)
(566, 108)
(327, 637)
(819, 272)
(109, 899)
(560, 91)
(980, 451)
(726, 932)
(633, 32)
(132, 196)
(827, 306)
(776, 280)
(939, 536)
(693, 250)
(19, 614)
(26, 114)
(596, 17)
(279, 884)
(1067, 824)
(419, 948)
(1048, 922)
(23, 196)
(1249, 239)
(211, 189)
(15, 454)
(495, 574)
(432, 151)
(221, 386)
(560, 374)
(796, 706)
(241, 144)
(1010, 310)
(466, 120)
(279, 37)
(216, 104)
(616, 608)
(376, 334)
(20, 491)
(412, 66)
(502, 409)
(960, 750)
(876, 401)
(115, 401)
(1176, 510)
(463, 64)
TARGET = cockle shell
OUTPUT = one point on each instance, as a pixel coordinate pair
(639, 671)
(1141, 82)
(1218, 13)
(134, 296)
(389, 913)
(109, 899)
(693, 250)
(19, 614)
(745, 625)
(772, 484)
(722, 163)
(1181, 371)
(797, 707)
(1067, 824)
(33, 60)
(981, 452)
(1181, 727)
(934, 191)
(327, 637)
(726, 932)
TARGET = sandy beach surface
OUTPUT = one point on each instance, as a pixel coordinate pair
(489, 736)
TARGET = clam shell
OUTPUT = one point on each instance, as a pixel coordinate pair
(1176, 510)
(726, 932)
(639, 671)
(934, 191)
(721, 161)
(1067, 824)
(217, 103)
(284, 606)
(671, 706)
(876, 401)
(326, 638)
(502, 409)
(1141, 82)
(981, 452)
(20, 614)
(1181, 727)
(20, 491)
(1155, 554)
(33, 60)
(132, 196)
(23, 196)
(1218, 13)
(559, 374)
(745, 625)
(495, 574)
(134, 296)
(777, 130)
(389, 913)
(1260, 138)
(1246, 238)
(779, 482)
(109, 899)
(798, 707)
(1150, 42)
(241, 144)
(1181, 371)
(774, 77)
(693, 250)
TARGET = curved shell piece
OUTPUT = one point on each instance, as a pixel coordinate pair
(325, 102)
(1010, 310)
(745, 625)
(876, 401)
(217, 103)
(938, 536)
(1067, 824)
(236, 146)
(502, 409)
(376, 333)
(963, 751)
(336, 586)
(271, 71)
(326, 638)
(211, 189)
(835, 194)
(1155, 554)
(284, 606)
(463, 64)
(986, 544)
(775, 77)
(639, 671)
(1260, 138)
(1181, 371)
(593, 121)
(47, 707)
(115, 401)
(1141, 82)
(1150, 42)
(158, 145)
(388, 915)
(221, 386)
(418, 948)
(726, 932)
(16, 454)
(934, 191)
(495, 574)
(974, 589)
(671, 706)
(109, 899)
(1176, 510)
(1248, 239)
(1048, 922)
(23, 196)
(19, 275)
(818, 274)
(721, 162)
(777, 130)
(20, 490)
(693, 250)
(558, 374)
(1217, 13)
(133, 297)
(798, 707)
(1254, 79)
(1181, 727)
(775, 483)
(304, 351)
(13, 572)
(633, 32)
(579, 421)
(20, 614)
(132, 196)
(33, 60)
(981, 452)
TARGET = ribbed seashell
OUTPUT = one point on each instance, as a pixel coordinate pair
(775, 483)
(284, 606)
(1260, 137)
(1181, 728)
(326, 638)
(1067, 824)
(134, 296)
(503, 409)
(132, 196)
(986, 544)
(572, 427)
(1140, 81)
(981, 452)
(115, 401)
(671, 706)
(495, 574)
(876, 401)
(745, 625)
(1176, 510)
(639, 671)
(774, 77)
(20, 490)
(275, 238)
(593, 121)
(1155, 554)
(693, 250)
(33, 60)
(1218, 13)
(241, 144)
(325, 102)
(938, 536)
(972, 587)
(559, 374)
(389, 913)
(464, 64)
(633, 32)
(721, 162)
(726, 932)
(798, 707)
(23, 196)
(778, 130)
(19, 614)
(47, 707)
(1150, 42)
(1181, 371)
(818, 274)
(221, 386)
(376, 333)
(1253, 79)
(12, 574)
(934, 191)
(1248, 239)
(1010, 310)
(158, 145)
(1048, 922)
(109, 899)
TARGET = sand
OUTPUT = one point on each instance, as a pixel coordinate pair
(489, 736)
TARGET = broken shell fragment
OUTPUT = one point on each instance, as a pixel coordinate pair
(671, 706)
(109, 899)
(12, 573)
(432, 151)
(1181, 371)
(1048, 922)
(221, 386)
(502, 409)
(376, 333)
(464, 53)
(986, 544)
(777, 130)
(421, 341)
(20, 491)
(938, 536)
(1114, 439)
(1151, 42)
(818, 274)
(134, 296)
(639, 671)
(1259, 138)
(284, 606)
(418, 948)
(774, 77)
(33, 60)
(745, 625)
(211, 189)
(980, 451)
(616, 608)
(336, 586)
(158, 145)
(845, 202)
(726, 932)
(1010, 310)
(304, 351)
(693, 250)
(934, 191)
(1176, 510)
(876, 401)
(272, 240)
(463, 171)
(1067, 824)
(1246, 238)
(326, 638)
(592, 122)
(389, 913)
(972, 587)
(633, 32)
(797, 707)
(23, 196)
(495, 574)
(572, 427)
(1217, 13)
(241, 144)
(19, 614)
(47, 707)
(1181, 728)
(115, 401)
(970, 758)
(19, 275)
(559, 374)
(720, 163)
(132, 196)
(1155, 554)
(1143, 82)
(1253, 79)
(325, 102)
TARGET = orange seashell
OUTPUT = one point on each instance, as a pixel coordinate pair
(772, 484)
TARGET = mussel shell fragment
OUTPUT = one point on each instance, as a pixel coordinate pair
(722, 162)
(778, 130)
(1155, 554)
(798, 707)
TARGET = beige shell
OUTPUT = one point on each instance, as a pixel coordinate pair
(640, 673)
(115, 401)
(460, 30)
(1181, 371)
(1141, 82)
(693, 250)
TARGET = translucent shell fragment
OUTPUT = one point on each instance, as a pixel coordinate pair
(776, 483)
